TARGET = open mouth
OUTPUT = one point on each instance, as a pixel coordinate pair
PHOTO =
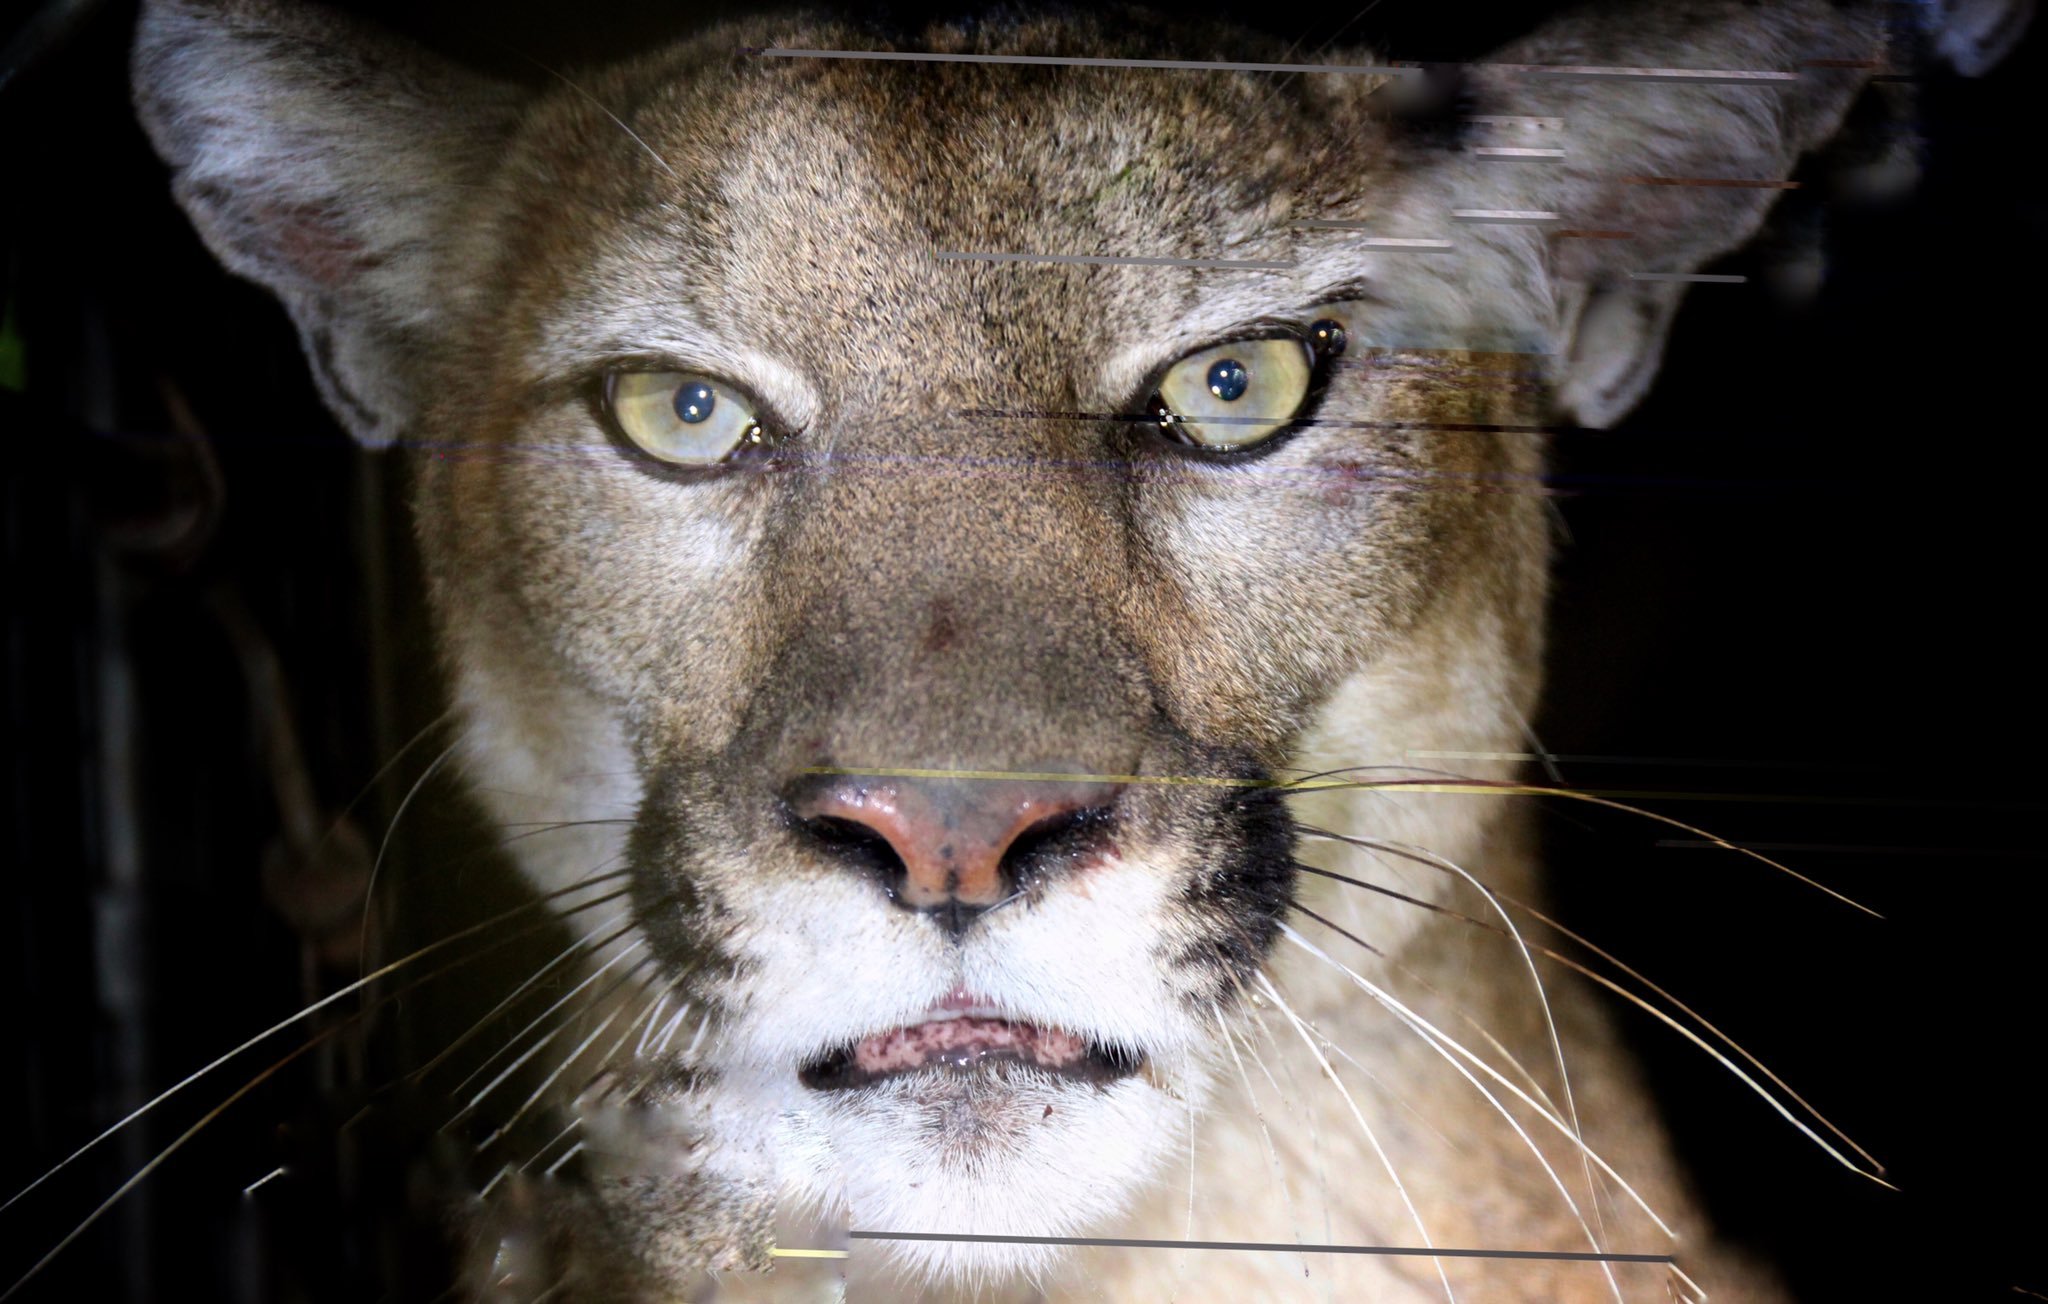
(962, 1037)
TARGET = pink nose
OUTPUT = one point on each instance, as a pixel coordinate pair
(955, 847)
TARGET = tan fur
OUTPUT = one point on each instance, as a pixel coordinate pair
(910, 585)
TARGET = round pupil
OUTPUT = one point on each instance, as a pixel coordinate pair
(695, 401)
(1227, 380)
(1328, 336)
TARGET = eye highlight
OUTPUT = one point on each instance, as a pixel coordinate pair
(1235, 395)
(681, 418)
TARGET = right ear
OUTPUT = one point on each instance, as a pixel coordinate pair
(330, 163)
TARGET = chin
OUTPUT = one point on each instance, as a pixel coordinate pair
(995, 1149)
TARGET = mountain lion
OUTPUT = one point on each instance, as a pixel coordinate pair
(960, 562)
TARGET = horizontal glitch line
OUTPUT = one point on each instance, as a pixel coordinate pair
(781, 1253)
(1502, 215)
(1515, 151)
(1463, 788)
(1278, 1247)
(1191, 65)
(1113, 260)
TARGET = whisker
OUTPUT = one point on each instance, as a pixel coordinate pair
(551, 1143)
(384, 847)
(321, 1004)
(1697, 1017)
(534, 828)
(1293, 1090)
(1570, 794)
(312, 1042)
(567, 1155)
(653, 1021)
(548, 1081)
(616, 120)
(1479, 1029)
(1265, 1133)
(668, 1033)
(1440, 1042)
(515, 1039)
(158, 1159)
(1373, 1140)
(1528, 962)
(1876, 1168)
(1417, 1024)
(606, 1062)
(579, 946)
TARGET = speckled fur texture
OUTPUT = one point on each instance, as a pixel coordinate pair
(957, 555)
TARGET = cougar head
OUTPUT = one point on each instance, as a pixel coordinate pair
(938, 511)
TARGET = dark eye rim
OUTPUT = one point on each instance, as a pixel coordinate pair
(1311, 400)
(756, 456)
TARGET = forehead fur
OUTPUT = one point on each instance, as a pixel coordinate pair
(710, 194)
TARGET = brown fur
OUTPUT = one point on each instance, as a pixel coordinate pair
(905, 581)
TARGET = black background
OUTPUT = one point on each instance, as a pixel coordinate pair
(1799, 579)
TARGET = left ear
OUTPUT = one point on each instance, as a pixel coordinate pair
(1667, 168)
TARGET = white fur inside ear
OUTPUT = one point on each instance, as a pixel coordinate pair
(1616, 350)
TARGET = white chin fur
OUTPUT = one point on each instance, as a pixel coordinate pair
(1017, 1153)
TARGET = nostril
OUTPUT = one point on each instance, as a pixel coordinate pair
(951, 848)
(1056, 843)
(858, 847)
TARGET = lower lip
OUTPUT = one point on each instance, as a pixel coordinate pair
(967, 1046)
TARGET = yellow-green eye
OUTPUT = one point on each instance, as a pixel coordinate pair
(679, 417)
(1235, 395)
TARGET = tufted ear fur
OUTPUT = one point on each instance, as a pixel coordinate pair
(1662, 175)
(327, 162)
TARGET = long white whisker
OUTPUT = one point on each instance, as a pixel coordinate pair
(616, 120)
(1563, 1191)
(282, 1024)
(514, 1040)
(1687, 1033)
(1571, 1108)
(1445, 1045)
(1265, 1133)
(575, 947)
(653, 1022)
(552, 1142)
(549, 1081)
(384, 846)
(668, 1033)
(690, 1050)
(1373, 1140)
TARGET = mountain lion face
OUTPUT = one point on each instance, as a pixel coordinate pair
(936, 548)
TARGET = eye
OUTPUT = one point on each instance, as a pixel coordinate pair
(1236, 395)
(679, 417)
